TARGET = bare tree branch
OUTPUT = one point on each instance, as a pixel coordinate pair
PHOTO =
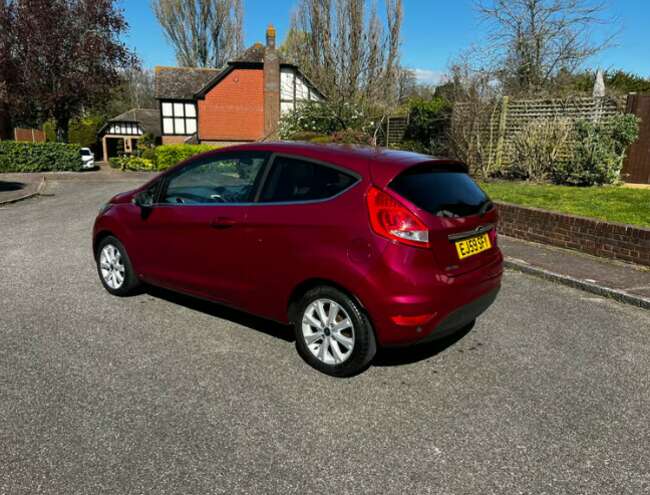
(204, 33)
(347, 50)
(530, 41)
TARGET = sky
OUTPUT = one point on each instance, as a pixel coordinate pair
(433, 33)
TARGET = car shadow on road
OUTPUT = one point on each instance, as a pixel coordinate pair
(6, 186)
(397, 356)
(390, 356)
(269, 327)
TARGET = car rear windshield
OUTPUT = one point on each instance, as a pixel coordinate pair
(443, 192)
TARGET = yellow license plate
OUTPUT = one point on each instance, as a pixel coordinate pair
(473, 245)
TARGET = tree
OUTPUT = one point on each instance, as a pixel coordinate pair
(68, 55)
(347, 51)
(204, 33)
(8, 68)
(530, 42)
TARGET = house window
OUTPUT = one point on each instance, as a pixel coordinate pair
(178, 118)
(128, 129)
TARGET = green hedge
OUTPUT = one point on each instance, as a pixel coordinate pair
(159, 158)
(168, 155)
(38, 157)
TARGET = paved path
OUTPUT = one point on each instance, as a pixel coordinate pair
(549, 393)
(622, 281)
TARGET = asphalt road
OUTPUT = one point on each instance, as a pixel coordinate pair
(549, 393)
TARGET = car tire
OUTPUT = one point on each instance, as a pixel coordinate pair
(344, 344)
(115, 269)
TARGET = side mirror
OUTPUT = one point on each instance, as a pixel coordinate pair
(144, 199)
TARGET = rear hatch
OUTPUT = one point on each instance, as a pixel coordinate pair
(455, 209)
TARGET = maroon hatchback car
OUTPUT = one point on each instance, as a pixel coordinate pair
(355, 247)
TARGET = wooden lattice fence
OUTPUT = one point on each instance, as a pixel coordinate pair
(395, 129)
(492, 127)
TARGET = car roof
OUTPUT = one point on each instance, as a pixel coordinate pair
(381, 164)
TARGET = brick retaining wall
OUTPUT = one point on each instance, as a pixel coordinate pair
(610, 240)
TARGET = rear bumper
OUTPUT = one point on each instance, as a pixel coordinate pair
(462, 317)
(452, 302)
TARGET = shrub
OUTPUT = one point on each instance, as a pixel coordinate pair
(428, 126)
(599, 151)
(171, 154)
(537, 148)
(148, 140)
(413, 146)
(132, 162)
(308, 136)
(346, 136)
(149, 154)
(83, 130)
(38, 157)
(324, 118)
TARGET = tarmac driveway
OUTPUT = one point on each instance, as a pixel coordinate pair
(549, 393)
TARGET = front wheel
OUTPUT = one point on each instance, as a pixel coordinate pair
(114, 268)
(333, 334)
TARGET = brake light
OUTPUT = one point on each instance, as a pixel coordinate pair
(391, 219)
(493, 236)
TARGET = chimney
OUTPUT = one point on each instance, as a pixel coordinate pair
(271, 85)
(270, 37)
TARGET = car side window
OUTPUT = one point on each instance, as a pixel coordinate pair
(217, 179)
(295, 180)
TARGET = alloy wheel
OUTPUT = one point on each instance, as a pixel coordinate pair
(328, 331)
(112, 267)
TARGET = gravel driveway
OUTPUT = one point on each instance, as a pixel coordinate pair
(549, 393)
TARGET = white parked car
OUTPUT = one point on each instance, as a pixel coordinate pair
(87, 159)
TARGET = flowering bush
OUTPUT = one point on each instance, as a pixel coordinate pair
(324, 119)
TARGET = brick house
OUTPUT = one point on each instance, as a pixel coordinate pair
(239, 103)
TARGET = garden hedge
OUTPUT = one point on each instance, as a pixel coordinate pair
(169, 155)
(159, 158)
(39, 157)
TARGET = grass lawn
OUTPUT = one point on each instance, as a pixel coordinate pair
(611, 203)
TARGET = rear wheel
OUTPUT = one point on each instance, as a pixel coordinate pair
(114, 268)
(333, 334)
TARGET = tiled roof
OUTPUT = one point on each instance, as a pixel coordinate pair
(181, 83)
(148, 118)
(253, 55)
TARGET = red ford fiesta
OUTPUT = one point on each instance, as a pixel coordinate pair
(355, 247)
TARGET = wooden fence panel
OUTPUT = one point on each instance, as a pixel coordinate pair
(395, 129)
(500, 122)
(636, 168)
(29, 135)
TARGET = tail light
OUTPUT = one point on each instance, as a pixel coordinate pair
(391, 219)
(493, 236)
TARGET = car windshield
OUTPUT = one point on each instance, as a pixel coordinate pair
(441, 192)
(85, 153)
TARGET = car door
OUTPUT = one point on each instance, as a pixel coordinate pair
(196, 231)
(301, 219)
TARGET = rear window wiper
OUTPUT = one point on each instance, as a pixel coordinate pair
(485, 207)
